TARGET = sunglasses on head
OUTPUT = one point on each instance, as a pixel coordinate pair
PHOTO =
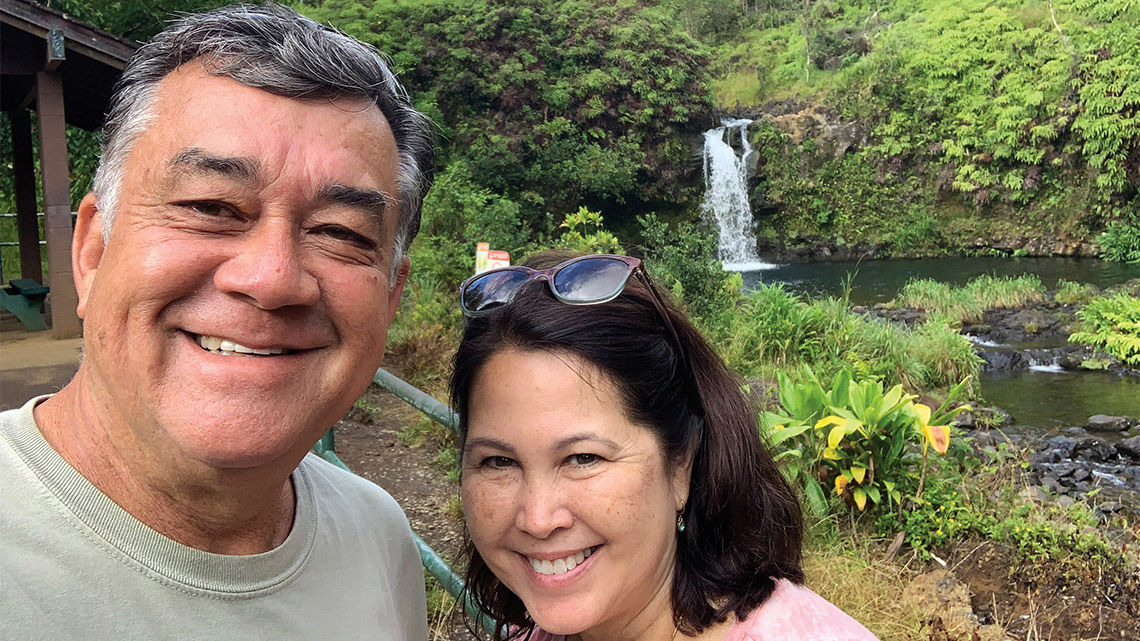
(585, 280)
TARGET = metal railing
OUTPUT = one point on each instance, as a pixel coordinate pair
(444, 415)
(5, 244)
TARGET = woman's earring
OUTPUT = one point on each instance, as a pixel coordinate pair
(681, 520)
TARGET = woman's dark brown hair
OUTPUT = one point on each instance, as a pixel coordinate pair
(743, 524)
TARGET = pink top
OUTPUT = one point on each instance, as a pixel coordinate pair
(791, 613)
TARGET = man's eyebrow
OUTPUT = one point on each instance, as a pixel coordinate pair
(195, 160)
(374, 200)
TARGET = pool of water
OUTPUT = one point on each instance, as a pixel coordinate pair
(877, 281)
(1038, 399)
(1054, 400)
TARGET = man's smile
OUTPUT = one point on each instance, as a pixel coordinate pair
(227, 347)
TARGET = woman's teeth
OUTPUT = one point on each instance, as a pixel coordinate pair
(560, 566)
(229, 348)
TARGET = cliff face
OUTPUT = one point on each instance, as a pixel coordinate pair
(934, 126)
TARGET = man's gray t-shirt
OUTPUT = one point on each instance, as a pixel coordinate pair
(74, 565)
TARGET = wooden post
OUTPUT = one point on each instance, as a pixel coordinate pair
(57, 203)
(24, 181)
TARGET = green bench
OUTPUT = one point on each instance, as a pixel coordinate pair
(25, 297)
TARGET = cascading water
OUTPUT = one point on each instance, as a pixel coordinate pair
(726, 195)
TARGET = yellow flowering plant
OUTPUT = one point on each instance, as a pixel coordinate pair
(857, 437)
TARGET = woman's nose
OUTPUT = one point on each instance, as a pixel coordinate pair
(544, 509)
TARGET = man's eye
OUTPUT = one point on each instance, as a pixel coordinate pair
(208, 207)
(343, 234)
(582, 460)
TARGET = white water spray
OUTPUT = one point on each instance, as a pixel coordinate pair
(726, 195)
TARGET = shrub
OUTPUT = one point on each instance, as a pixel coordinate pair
(551, 103)
(682, 257)
(1121, 242)
(855, 437)
(1112, 325)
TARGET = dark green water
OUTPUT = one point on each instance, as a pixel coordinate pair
(1054, 400)
(878, 281)
(1046, 400)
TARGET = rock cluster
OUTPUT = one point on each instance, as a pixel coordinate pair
(1077, 463)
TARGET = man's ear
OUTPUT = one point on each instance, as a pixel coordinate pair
(397, 288)
(86, 249)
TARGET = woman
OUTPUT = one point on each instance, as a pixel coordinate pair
(613, 481)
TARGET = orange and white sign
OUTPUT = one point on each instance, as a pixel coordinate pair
(497, 259)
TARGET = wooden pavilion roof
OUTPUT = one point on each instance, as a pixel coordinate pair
(92, 63)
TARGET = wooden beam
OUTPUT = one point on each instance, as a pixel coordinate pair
(57, 203)
(82, 38)
(24, 181)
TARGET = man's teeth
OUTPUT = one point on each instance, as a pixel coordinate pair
(229, 348)
(560, 566)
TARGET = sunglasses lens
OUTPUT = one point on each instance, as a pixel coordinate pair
(591, 280)
(492, 290)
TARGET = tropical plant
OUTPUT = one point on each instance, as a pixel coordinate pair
(584, 231)
(1112, 325)
(1121, 242)
(856, 437)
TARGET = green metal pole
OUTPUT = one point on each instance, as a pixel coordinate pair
(425, 403)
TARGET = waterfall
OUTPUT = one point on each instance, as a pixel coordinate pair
(726, 195)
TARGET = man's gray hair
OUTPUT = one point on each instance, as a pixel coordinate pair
(275, 49)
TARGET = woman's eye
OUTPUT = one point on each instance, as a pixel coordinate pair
(498, 462)
(583, 459)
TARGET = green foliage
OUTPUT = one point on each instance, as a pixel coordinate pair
(551, 103)
(682, 257)
(941, 516)
(773, 328)
(1112, 325)
(995, 112)
(965, 304)
(1070, 292)
(135, 20)
(855, 436)
(983, 501)
(584, 231)
(1121, 242)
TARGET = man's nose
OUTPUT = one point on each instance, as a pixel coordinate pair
(268, 268)
(544, 509)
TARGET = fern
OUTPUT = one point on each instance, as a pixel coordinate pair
(1112, 326)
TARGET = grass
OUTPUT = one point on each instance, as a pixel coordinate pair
(967, 303)
(840, 569)
(774, 329)
(1070, 292)
(441, 608)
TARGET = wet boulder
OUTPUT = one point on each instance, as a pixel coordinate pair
(1002, 360)
(1103, 423)
(1093, 449)
(1129, 448)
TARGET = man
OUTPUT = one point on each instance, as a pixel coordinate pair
(238, 265)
